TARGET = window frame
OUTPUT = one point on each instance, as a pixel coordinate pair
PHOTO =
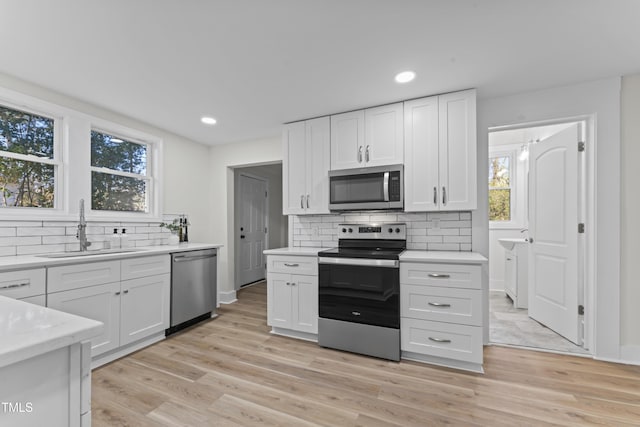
(31, 105)
(517, 185)
(72, 151)
(153, 177)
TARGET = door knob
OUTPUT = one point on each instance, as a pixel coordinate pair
(242, 236)
(241, 228)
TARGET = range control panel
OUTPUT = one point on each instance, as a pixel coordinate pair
(390, 231)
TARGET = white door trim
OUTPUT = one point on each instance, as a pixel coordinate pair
(589, 249)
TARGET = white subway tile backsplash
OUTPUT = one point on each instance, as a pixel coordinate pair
(18, 241)
(8, 251)
(20, 223)
(453, 233)
(8, 232)
(49, 240)
(41, 231)
(39, 249)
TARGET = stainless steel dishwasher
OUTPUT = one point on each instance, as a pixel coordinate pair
(193, 287)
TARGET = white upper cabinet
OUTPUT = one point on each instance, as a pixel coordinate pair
(347, 140)
(305, 167)
(371, 137)
(440, 145)
(384, 135)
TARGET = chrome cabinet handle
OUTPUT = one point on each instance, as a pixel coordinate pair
(439, 304)
(293, 283)
(286, 264)
(15, 285)
(360, 154)
(444, 196)
(288, 284)
(441, 340)
(435, 195)
(508, 259)
(302, 201)
(126, 291)
(118, 293)
(356, 313)
(307, 201)
(366, 154)
(439, 276)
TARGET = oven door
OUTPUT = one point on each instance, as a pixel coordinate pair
(360, 290)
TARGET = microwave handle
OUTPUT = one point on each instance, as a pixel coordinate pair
(385, 186)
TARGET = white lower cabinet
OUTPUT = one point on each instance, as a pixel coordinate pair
(144, 307)
(99, 302)
(292, 299)
(442, 314)
(132, 310)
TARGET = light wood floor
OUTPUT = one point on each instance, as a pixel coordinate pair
(231, 372)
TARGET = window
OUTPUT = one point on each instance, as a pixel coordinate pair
(500, 181)
(119, 174)
(28, 160)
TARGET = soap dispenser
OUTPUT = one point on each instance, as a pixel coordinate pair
(124, 239)
(114, 239)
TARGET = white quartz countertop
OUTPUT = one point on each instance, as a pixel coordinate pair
(443, 256)
(22, 262)
(294, 251)
(28, 330)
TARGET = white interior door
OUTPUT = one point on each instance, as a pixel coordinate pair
(253, 207)
(553, 228)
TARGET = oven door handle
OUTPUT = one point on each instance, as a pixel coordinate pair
(366, 262)
(385, 186)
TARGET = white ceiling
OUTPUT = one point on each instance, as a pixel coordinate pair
(255, 64)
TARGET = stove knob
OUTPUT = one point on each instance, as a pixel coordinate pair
(344, 230)
(391, 230)
(397, 230)
(351, 230)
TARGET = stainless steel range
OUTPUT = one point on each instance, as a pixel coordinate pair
(359, 290)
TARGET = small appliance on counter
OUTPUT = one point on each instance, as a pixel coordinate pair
(359, 290)
(372, 188)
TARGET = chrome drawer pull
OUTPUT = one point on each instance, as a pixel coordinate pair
(441, 340)
(356, 313)
(439, 276)
(439, 304)
(286, 264)
(15, 285)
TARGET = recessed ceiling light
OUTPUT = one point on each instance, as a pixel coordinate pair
(116, 140)
(405, 76)
(208, 120)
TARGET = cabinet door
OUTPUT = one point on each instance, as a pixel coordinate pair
(279, 300)
(347, 140)
(304, 303)
(384, 135)
(293, 168)
(457, 151)
(101, 303)
(318, 161)
(421, 184)
(144, 308)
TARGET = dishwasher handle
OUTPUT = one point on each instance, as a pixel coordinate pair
(186, 258)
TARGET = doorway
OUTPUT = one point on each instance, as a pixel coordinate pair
(538, 190)
(258, 220)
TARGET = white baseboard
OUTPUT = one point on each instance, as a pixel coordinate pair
(496, 285)
(228, 297)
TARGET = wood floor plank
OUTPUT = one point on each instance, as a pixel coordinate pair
(230, 371)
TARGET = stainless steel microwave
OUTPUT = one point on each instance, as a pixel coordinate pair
(374, 188)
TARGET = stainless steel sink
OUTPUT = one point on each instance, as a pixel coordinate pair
(88, 253)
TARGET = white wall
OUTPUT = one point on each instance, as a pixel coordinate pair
(223, 158)
(601, 98)
(630, 242)
(185, 163)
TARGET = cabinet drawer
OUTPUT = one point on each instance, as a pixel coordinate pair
(458, 342)
(451, 305)
(445, 275)
(23, 284)
(292, 264)
(78, 276)
(145, 266)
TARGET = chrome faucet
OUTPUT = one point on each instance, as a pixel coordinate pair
(82, 229)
